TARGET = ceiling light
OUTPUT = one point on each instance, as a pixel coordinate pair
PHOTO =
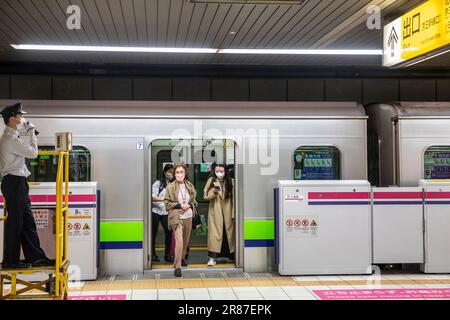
(303, 51)
(112, 49)
(197, 50)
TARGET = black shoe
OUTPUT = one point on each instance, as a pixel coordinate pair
(168, 258)
(177, 272)
(43, 263)
(184, 263)
(18, 265)
(155, 258)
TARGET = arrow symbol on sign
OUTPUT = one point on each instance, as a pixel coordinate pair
(392, 41)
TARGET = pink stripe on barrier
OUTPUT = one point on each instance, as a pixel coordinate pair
(384, 294)
(100, 297)
(437, 195)
(338, 195)
(72, 198)
(397, 195)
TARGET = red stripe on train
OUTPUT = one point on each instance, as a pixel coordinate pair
(52, 198)
(437, 195)
(338, 195)
(397, 195)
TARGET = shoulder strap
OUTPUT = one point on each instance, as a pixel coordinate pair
(161, 187)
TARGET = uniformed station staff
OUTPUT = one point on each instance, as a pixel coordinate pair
(17, 143)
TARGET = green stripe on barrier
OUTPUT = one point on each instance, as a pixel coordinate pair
(129, 231)
(259, 230)
(121, 231)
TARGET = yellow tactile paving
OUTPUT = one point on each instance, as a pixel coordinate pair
(404, 281)
(238, 282)
(144, 284)
(96, 286)
(357, 282)
(426, 281)
(388, 282)
(191, 283)
(120, 285)
(214, 283)
(310, 283)
(167, 284)
(261, 282)
(283, 282)
(235, 282)
(269, 281)
(334, 283)
(445, 281)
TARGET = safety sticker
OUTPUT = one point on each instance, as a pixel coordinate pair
(86, 229)
(302, 226)
(81, 230)
(41, 218)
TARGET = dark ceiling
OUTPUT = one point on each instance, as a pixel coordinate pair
(327, 24)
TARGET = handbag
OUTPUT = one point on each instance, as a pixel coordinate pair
(196, 221)
(203, 229)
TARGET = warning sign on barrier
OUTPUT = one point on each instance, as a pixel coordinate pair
(81, 230)
(302, 226)
(41, 218)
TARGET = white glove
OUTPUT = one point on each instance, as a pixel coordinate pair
(27, 129)
(29, 125)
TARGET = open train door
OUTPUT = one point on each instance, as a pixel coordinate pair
(200, 157)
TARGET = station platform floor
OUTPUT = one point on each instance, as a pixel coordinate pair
(234, 284)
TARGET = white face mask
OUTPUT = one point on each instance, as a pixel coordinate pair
(220, 175)
(21, 124)
(179, 176)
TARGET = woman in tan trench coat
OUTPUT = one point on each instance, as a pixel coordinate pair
(219, 190)
(181, 207)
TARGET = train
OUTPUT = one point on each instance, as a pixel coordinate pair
(123, 146)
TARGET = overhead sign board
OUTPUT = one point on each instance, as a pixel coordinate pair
(423, 30)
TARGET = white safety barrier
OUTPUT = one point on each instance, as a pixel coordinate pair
(324, 227)
(397, 224)
(343, 227)
(83, 225)
(437, 225)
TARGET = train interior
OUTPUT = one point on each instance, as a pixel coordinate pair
(200, 156)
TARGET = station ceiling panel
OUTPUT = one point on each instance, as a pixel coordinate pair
(310, 24)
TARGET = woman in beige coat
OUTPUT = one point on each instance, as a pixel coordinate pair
(219, 190)
(181, 207)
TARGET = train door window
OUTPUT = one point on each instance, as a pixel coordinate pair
(317, 163)
(44, 167)
(437, 162)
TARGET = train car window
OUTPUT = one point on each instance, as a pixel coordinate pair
(437, 162)
(43, 168)
(317, 163)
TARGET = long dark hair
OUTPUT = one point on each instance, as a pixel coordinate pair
(227, 180)
(163, 179)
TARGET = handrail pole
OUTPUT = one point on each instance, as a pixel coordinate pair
(58, 222)
(66, 212)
